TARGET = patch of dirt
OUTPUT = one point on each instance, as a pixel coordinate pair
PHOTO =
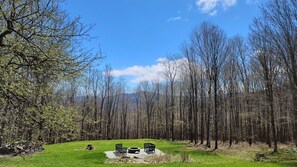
(154, 159)
(157, 158)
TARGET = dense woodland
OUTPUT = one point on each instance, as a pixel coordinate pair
(216, 89)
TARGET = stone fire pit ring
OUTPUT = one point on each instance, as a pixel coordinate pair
(134, 150)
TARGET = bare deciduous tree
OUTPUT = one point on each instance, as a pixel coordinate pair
(210, 43)
(170, 72)
(278, 20)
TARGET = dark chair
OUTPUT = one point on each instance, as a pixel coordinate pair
(149, 148)
(120, 149)
(90, 147)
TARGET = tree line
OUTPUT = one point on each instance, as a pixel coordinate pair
(216, 89)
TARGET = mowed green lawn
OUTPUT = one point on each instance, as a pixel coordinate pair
(73, 155)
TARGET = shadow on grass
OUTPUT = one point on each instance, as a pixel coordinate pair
(95, 157)
(203, 153)
(289, 164)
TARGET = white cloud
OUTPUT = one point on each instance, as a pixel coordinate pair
(141, 73)
(146, 73)
(228, 3)
(174, 18)
(207, 6)
(252, 1)
(211, 6)
(162, 59)
(213, 13)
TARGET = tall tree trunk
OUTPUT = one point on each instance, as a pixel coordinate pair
(95, 116)
(148, 123)
(272, 117)
(166, 114)
(250, 129)
(101, 117)
(230, 114)
(216, 110)
(172, 110)
(82, 129)
(181, 132)
(190, 119)
(202, 108)
(138, 104)
(195, 110)
(295, 114)
(208, 116)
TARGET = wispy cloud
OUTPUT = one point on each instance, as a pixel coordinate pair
(174, 18)
(146, 73)
(211, 7)
(213, 13)
(190, 7)
(252, 1)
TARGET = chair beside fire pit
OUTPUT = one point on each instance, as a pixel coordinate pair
(120, 149)
(149, 148)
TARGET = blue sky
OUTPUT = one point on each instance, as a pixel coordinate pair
(137, 33)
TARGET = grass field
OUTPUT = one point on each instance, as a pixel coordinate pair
(73, 155)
